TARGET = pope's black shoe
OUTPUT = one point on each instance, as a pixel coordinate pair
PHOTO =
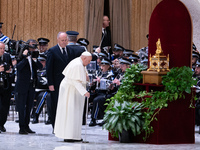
(2, 128)
(29, 130)
(92, 123)
(22, 131)
(72, 140)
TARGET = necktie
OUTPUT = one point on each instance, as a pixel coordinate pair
(64, 52)
(104, 31)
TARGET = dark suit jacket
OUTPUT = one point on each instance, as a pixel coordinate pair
(24, 74)
(7, 59)
(56, 62)
(106, 39)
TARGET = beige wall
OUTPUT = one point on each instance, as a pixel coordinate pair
(45, 18)
(140, 15)
(193, 7)
(42, 18)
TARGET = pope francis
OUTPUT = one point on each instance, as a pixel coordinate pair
(71, 99)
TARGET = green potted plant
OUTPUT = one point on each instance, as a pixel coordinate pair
(124, 119)
(177, 82)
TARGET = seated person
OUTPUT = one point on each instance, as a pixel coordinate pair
(114, 86)
(195, 57)
(103, 78)
(124, 64)
(197, 105)
(42, 92)
(117, 51)
(116, 66)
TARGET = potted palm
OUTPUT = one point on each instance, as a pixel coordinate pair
(124, 120)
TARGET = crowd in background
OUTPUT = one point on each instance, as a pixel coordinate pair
(31, 72)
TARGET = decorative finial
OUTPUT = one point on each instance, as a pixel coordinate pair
(159, 49)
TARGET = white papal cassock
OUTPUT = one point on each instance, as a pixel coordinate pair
(71, 101)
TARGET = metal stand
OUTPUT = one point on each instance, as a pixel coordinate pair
(85, 141)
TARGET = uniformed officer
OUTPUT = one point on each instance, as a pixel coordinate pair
(195, 57)
(117, 51)
(4, 38)
(130, 55)
(197, 105)
(76, 50)
(127, 53)
(83, 42)
(124, 64)
(43, 45)
(103, 79)
(42, 92)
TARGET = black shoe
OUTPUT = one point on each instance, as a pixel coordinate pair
(29, 130)
(71, 140)
(35, 120)
(22, 131)
(2, 128)
(48, 122)
(17, 121)
(92, 123)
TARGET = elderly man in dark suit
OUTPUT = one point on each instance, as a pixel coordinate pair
(57, 60)
(25, 85)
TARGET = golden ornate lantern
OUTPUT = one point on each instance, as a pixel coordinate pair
(159, 62)
(158, 66)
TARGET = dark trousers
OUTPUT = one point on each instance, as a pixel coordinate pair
(98, 106)
(24, 103)
(54, 102)
(5, 96)
(41, 98)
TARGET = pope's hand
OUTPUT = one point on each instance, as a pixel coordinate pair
(87, 95)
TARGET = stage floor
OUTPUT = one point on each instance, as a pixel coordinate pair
(98, 139)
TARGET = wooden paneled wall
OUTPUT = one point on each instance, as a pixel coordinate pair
(45, 18)
(42, 18)
(140, 15)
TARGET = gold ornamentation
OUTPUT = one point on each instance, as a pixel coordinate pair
(159, 62)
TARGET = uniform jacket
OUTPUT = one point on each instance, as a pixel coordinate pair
(76, 50)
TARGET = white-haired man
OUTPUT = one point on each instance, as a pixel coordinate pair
(71, 99)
